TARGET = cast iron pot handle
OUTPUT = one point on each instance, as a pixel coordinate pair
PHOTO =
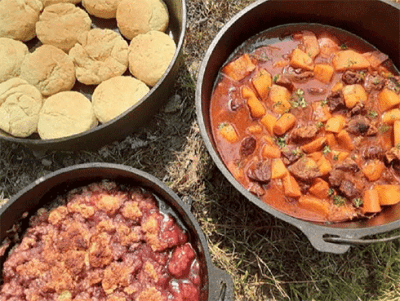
(334, 243)
(221, 285)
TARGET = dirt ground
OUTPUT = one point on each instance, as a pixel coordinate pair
(268, 259)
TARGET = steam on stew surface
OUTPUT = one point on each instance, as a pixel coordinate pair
(310, 123)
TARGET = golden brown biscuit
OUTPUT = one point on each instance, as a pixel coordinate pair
(61, 24)
(18, 18)
(105, 9)
(12, 53)
(20, 104)
(99, 55)
(65, 114)
(49, 69)
(137, 16)
(51, 2)
(116, 95)
(150, 55)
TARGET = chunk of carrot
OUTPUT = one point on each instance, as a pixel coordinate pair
(344, 140)
(388, 99)
(278, 169)
(314, 204)
(324, 165)
(300, 59)
(314, 145)
(339, 156)
(239, 68)
(354, 94)
(391, 116)
(315, 156)
(373, 169)
(388, 194)
(228, 132)
(262, 82)
(371, 201)
(336, 87)
(291, 187)
(335, 124)
(396, 132)
(319, 188)
(284, 123)
(269, 121)
(323, 72)
(331, 140)
(255, 129)
(349, 59)
(256, 107)
(279, 97)
(271, 151)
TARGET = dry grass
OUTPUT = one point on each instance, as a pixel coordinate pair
(267, 258)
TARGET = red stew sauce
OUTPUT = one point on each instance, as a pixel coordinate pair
(307, 118)
(103, 243)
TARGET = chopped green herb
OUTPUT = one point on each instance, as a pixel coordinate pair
(362, 73)
(326, 150)
(299, 92)
(339, 200)
(298, 99)
(281, 141)
(324, 102)
(343, 46)
(309, 54)
(357, 202)
(398, 146)
(331, 191)
(353, 157)
(275, 77)
(372, 114)
(351, 62)
(294, 104)
(319, 124)
(336, 157)
(278, 103)
(383, 128)
(222, 125)
(376, 81)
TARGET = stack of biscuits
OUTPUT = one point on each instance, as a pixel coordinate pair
(36, 88)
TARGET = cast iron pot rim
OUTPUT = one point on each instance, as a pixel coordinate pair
(44, 142)
(314, 231)
(213, 273)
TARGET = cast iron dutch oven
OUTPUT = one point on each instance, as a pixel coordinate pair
(216, 286)
(376, 21)
(135, 117)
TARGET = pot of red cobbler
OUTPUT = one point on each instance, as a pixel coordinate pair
(299, 106)
(104, 232)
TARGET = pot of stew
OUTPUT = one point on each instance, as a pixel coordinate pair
(104, 231)
(298, 105)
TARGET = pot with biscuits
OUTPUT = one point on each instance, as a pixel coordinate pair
(78, 75)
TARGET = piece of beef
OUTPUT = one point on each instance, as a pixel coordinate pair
(305, 169)
(316, 91)
(372, 152)
(248, 146)
(351, 77)
(291, 154)
(349, 190)
(335, 177)
(298, 75)
(358, 125)
(284, 81)
(304, 133)
(304, 187)
(348, 164)
(260, 171)
(256, 188)
(336, 101)
(392, 155)
(393, 83)
(358, 109)
(374, 81)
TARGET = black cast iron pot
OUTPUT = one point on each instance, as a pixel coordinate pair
(216, 286)
(376, 21)
(134, 118)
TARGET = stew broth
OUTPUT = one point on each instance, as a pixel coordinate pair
(307, 118)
